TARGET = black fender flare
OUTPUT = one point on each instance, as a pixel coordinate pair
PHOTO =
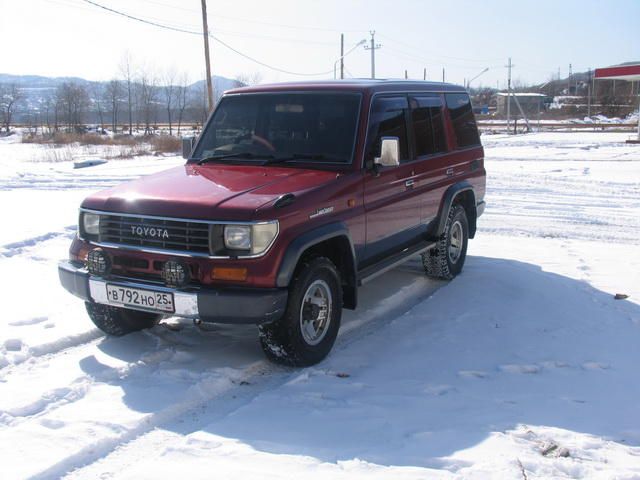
(313, 237)
(447, 200)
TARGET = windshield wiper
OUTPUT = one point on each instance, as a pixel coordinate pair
(297, 156)
(247, 155)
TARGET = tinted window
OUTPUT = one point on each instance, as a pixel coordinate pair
(464, 123)
(428, 127)
(387, 119)
(321, 125)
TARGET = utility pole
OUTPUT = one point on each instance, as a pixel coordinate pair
(589, 94)
(342, 56)
(374, 46)
(205, 31)
(406, 76)
(442, 74)
(569, 81)
(424, 74)
(509, 66)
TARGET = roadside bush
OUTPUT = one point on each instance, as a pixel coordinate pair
(64, 146)
(165, 144)
(158, 144)
(66, 138)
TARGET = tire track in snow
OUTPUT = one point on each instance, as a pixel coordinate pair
(45, 402)
(45, 352)
(197, 395)
(15, 248)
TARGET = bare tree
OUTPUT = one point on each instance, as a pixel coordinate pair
(73, 100)
(244, 79)
(127, 74)
(199, 104)
(10, 98)
(57, 108)
(97, 101)
(181, 98)
(148, 97)
(47, 105)
(169, 92)
(114, 93)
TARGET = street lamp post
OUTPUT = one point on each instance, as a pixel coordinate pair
(483, 71)
(361, 42)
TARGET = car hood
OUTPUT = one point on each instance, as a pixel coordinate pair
(207, 191)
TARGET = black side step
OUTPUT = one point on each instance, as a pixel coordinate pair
(373, 271)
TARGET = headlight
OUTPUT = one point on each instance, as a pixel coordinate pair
(253, 238)
(237, 237)
(90, 223)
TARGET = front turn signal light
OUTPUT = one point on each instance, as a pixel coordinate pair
(233, 274)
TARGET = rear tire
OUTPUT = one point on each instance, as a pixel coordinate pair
(308, 329)
(117, 321)
(446, 259)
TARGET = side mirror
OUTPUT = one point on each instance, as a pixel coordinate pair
(389, 152)
(187, 146)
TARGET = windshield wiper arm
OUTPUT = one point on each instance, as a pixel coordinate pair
(247, 155)
(297, 156)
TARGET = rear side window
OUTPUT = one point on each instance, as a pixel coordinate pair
(387, 119)
(464, 123)
(428, 127)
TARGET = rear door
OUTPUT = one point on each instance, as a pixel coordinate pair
(392, 204)
(431, 148)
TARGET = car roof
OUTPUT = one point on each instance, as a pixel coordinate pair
(353, 85)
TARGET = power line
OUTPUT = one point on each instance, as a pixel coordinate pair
(192, 32)
(260, 22)
(423, 61)
(474, 60)
(194, 27)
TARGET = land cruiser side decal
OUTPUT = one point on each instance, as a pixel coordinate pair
(321, 211)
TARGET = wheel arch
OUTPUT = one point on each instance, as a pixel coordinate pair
(332, 241)
(459, 193)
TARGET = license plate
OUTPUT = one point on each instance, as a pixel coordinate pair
(138, 297)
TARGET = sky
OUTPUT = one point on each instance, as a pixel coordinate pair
(75, 38)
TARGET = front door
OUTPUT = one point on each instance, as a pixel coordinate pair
(392, 204)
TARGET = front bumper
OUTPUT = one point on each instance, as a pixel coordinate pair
(224, 305)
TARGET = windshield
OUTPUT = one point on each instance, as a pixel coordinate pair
(305, 127)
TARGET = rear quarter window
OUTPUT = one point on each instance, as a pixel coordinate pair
(428, 128)
(464, 123)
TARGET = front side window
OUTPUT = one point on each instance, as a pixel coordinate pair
(306, 127)
(464, 123)
(428, 127)
(387, 119)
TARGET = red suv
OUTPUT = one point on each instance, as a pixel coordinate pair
(292, 197)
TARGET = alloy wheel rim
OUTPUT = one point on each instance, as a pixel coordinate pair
(315, 312)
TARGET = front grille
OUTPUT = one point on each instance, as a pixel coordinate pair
(176, 235)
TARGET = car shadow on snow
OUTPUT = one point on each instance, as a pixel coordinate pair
(504, 345)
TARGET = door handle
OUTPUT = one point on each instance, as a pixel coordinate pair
(449, 172)
(409, 183)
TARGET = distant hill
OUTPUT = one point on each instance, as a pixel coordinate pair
(220, 85)
(37, 88)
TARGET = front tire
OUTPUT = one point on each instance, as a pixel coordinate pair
(308, 329)
(446, 259)
(117, 321)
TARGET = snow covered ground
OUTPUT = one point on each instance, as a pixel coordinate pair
(524, 366)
